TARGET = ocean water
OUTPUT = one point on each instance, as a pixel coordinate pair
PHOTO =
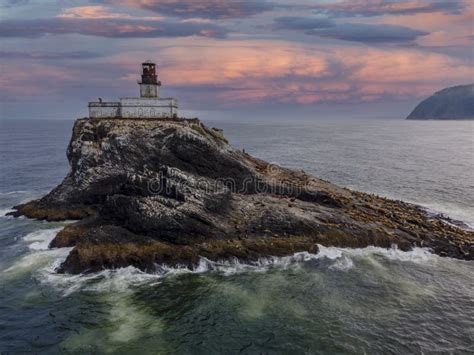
(356, 301)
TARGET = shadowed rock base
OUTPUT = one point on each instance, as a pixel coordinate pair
(52, 214)
(150, 192)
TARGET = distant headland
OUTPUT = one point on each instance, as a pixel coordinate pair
(453, 103)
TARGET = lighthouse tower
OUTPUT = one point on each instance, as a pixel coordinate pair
(149, 84)
(148, 105)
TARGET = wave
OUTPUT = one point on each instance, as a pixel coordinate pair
(38, 256)
(43, 262)
(15, 192)
(115, 280)
(4, 211)
(40, 240)
(128, 278)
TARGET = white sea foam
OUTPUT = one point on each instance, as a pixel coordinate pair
(416, 255)
(342, 264)
(35, 261)
(39, 256)
(117, 280)
(341, 259)
(124, 279)
(14, 192)
(4, 211)
(40, 239)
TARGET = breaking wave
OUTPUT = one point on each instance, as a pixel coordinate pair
(123, 279)
(4, 211)
(43, 262)
(40, 239)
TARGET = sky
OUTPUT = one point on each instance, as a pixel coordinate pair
(238, 60)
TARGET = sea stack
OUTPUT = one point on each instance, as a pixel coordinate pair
(149, 188)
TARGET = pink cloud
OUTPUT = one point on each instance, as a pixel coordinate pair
(237, 73)
(445, 29)
(99, 12)
(90, 12)
(15, 81)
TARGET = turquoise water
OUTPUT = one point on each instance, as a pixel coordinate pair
(338, 301)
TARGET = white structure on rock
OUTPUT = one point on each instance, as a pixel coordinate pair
(148, 105)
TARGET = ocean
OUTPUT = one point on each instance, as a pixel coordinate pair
(351, 301)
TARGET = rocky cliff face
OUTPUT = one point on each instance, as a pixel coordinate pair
(149, 192)
(454, 103)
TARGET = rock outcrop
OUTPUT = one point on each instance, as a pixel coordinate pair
(169, 191)
(453, 103)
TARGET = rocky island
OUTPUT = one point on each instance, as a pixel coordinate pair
(453, 103)
(147, 192)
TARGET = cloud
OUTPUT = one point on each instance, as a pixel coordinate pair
(48, 55)
(211, 9)
(17, 83)
(239, 73)
(355, 32)
(112, 28)
(349, 8)
(301, 23)
(369, 33)
(211, 74)
(91, 12)
(446, 30)
(100, 12)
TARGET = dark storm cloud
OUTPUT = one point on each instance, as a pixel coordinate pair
(301, 23)
(48, 55)
(209, 9)
(349, 8)
(368, 33)
(112, 28)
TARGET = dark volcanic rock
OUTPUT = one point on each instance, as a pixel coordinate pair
(454, 103)
(170, 191)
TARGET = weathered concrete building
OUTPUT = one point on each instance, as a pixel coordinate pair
(148, 105)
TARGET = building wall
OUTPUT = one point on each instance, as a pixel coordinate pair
(149, 90)
(148, 107)
(104, 109)
(131, 107)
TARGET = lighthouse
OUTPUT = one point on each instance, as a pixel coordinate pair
(148, 105)
(149, 84)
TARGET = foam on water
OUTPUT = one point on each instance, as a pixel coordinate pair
(34, 262)
(416, 255)
(342, 264)
(8, 193)
(106, 281)
(39, 255)
(40, 239)
(43, 262)
(125, 322)
(124, 279)
(4, 211)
